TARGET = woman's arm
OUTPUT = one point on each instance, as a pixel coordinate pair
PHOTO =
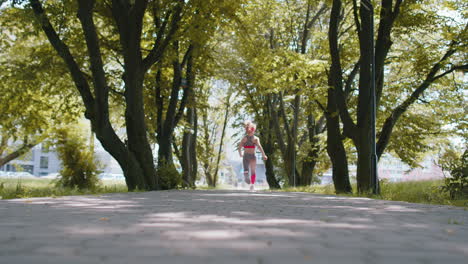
(241, 144)
(261, 149)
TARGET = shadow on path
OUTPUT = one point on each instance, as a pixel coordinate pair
(229, 227)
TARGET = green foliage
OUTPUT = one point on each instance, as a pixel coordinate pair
(26, 188)
(169, 177)
(457, 165)
(427, 192)
(80, 167)
(413, 191)
(30, 71)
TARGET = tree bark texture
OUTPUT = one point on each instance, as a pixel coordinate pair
(189, 141)
(335, 147)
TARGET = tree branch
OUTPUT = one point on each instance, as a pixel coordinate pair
(283, 115)
(275, 119)
(18, 152)
(350, 80)
(160, 45)
(188, 89)
(3, 144)
(252, 100)
(101, 89)
(454, 68)
(64, 52)
(356, 17)
(309, 24)
(392, 119)
(159, 101)
(336, 77)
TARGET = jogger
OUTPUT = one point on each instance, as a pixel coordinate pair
(249, 159)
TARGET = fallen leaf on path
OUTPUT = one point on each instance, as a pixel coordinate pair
(449, 231)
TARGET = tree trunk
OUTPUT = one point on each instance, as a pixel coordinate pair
(364, 164)
(207, 158)
(188, 175)
(388, 15)
(308, 165)
(138, 143)
(189, 141)
(335, 147)
(193, 150)
(226, 117)
(362, 139)
(127, 161)
(287, 148)
(268, 143)
(165, 128)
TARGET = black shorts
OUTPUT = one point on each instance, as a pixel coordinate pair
(247, 158)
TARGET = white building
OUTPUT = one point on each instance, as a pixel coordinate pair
(39, 161)
(394, 170)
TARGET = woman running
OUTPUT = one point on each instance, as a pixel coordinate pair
(248, 157)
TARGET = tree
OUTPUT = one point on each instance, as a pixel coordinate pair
(335, 147)
(189, 59)
(26, 68)
(359, 131)
(146, 32)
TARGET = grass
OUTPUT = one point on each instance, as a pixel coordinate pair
(426, 192)
(27, 188)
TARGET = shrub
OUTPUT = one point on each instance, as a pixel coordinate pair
(169, 177)
(80, 167)
(457, 165)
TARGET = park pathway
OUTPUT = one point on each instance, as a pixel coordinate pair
(229, 227)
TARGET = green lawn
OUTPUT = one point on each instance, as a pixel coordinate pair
(428, 192)
(26, 188)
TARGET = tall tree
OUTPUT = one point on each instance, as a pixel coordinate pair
(359, 131)
(134, 155)
(27, 65)
(335, 147)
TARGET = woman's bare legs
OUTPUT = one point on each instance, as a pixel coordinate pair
(253, 175)
(246, 164)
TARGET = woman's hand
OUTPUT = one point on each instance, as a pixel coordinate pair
(265, 157)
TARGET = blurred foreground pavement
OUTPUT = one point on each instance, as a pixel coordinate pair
(230, 226)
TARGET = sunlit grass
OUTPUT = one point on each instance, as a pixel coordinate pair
(218, 187)
(427, 192)
(27, 188)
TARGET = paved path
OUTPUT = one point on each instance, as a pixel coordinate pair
(229, 227)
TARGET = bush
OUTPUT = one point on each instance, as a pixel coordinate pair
(457, 165)
(169, 177)
(80, 167)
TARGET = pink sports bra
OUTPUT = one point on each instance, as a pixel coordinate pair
(249, 143)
